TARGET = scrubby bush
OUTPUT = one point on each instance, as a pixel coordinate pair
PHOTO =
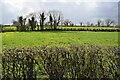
(75, 62)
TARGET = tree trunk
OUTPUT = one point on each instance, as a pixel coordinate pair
(55, 26)
(17, 28)
(51, 25)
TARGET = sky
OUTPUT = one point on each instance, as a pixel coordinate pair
(74, 10)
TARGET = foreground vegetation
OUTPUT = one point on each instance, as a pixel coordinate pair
(59, 38)
(76, 62)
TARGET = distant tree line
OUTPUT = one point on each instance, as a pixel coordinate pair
(100, 23)
(37, 20)
(54, 18)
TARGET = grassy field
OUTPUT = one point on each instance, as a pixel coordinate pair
(7, 28)
(59, 38)
(91, 27)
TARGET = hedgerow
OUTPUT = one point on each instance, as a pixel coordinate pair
(73, 62)
(67, 29)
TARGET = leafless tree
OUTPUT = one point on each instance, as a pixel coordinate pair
(91, 24)
(67, 22)
(108, 22)
(32, 20)
(81, 23)
(20, 23)
(71, 24)
(56, 16)
(50, 20)
(42, 18)
(99, 22)
(102, 23)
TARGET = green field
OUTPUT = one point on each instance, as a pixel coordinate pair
(8, 28)
(91, 27)
(59, 38)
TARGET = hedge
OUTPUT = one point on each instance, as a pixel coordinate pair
(57, 63)
(70, 29)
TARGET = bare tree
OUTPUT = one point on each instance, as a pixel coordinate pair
(108, 22)
(24, 24)
(99, 22)
(32, 22)
(81, 23)
(91, 24)
(113, 22)
(67, 22)
(20, 23)
(42, 18)
(56, 17)
(71, 23)
(50, 20)
(102, 24)
(20, 20)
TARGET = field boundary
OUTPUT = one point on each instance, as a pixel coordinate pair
(71, 29)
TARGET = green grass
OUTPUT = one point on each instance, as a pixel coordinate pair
(59, 38)
(8, 28)
(91, 27)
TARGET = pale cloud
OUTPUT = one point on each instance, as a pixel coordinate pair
(83, 10)
(90, 6)
(18, 4)
(22, 7)
(13, 1)
(64, 1)
(77, 2)
(43, 0)
(88, 0)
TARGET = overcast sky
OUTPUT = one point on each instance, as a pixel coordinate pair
(74, 10)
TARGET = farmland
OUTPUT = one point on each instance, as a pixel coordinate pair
(54, 44)
(44, 45)
(59, 38)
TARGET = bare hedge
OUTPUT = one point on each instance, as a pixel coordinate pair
(73, 62)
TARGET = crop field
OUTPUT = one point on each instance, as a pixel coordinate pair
(59, 38)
